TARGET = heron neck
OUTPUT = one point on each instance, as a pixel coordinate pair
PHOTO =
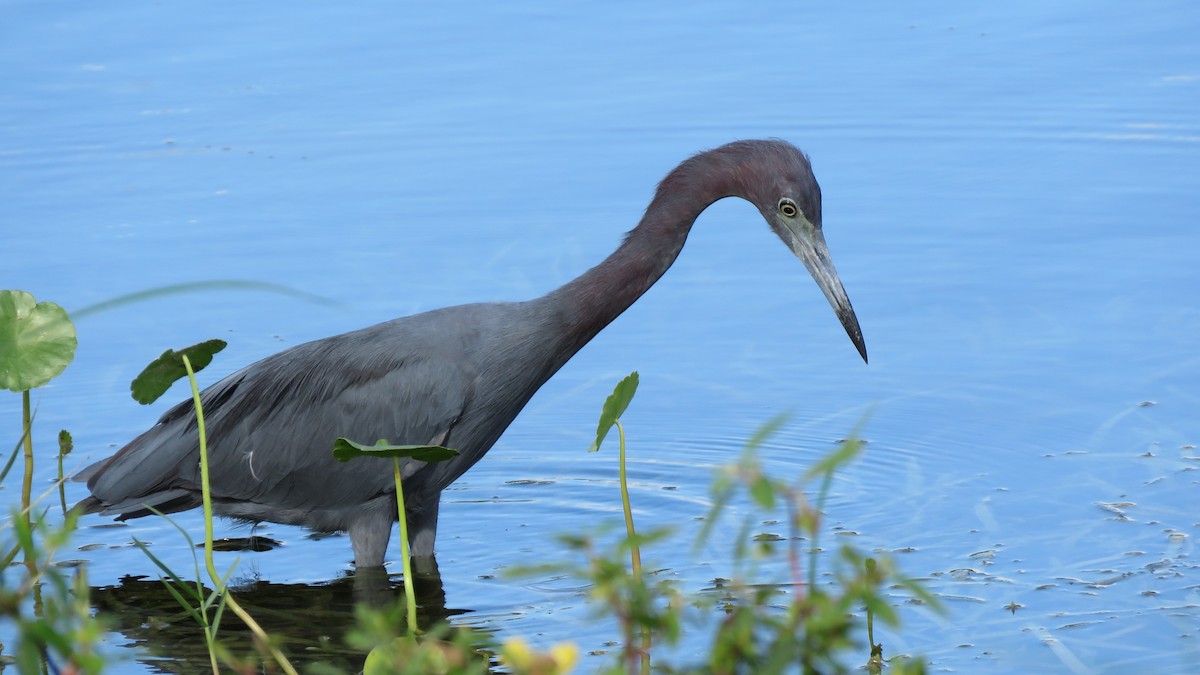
(593, 300)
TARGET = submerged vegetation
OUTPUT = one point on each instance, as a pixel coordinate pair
(796, 625)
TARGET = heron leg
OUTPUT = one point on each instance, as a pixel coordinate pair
(369, 536)
(422, 526)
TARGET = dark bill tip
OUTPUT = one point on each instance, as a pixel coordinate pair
(850, 323)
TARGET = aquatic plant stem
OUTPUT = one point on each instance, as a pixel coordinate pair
(62, 482)
(27, 481)
(822, 493)
(870, 563)
(794, 530)
(410, 594)
(635, 553)
(206, 497)
(206, 500)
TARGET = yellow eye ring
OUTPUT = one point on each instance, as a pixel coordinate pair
(788, 208)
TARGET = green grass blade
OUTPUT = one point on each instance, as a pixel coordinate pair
(12, 458)
(201, 286)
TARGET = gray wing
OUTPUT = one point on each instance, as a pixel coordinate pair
(271, 427)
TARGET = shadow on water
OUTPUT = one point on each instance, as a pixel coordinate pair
(310, 619)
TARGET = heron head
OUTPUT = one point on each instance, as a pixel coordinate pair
(777, 178)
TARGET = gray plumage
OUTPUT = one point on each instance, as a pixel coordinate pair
(456, 376)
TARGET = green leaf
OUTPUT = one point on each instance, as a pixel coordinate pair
(157, 378)
(764, 432)
(614, 407)
(831, 463)
(37, 341)
(880, 607)
(345, 450)
(763, 492)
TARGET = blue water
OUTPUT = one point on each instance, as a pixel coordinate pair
(1009, 195)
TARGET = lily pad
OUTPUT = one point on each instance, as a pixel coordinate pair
(345, 450)
(614, 407)
(37, 341)
(157, 378)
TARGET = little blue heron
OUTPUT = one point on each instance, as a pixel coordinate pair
(456, 377)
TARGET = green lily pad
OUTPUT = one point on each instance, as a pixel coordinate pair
(37, 341)
(614, 407)
(157, 378)
(345, 450)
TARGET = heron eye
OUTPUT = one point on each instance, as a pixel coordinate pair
(788, 207)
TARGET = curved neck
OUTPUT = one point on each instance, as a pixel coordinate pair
(590, 302)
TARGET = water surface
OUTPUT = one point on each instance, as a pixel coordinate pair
(1009, 195)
